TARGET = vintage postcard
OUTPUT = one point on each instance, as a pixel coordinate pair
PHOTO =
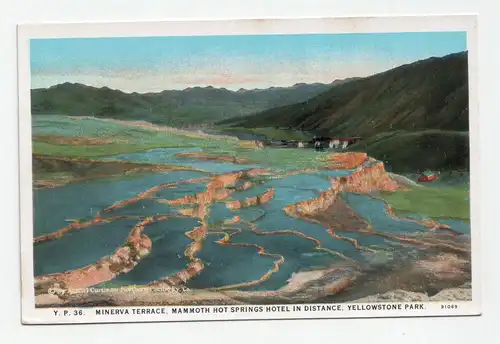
(249, 169)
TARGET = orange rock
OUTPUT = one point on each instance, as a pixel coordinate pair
(108, 267)
(234, 204)
(315, 205)
(257, 171)
(348, 160)
(366, 179)
(198, 232)
(122, 253)
(234, 220)
(251, 201)
(146, 242)
(246, 185)
(192, 249)
(339, 286)
(199, 211)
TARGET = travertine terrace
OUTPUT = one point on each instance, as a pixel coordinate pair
(328, 209)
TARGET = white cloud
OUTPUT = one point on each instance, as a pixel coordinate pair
(232, 74)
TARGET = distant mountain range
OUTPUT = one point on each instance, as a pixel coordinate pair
(191, 106)
(427, 94)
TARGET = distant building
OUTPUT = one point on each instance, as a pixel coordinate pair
(317, 146)
(343, 142)
(427, 176)
(334, 143)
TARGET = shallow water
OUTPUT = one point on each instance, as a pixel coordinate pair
(224, 264)
(53, 207)
(167, 156)
(374, 212)
(167, 255)
(79, 248)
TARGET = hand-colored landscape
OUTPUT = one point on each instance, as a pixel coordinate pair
(354, 190)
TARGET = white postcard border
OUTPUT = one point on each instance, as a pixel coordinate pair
(463, 22)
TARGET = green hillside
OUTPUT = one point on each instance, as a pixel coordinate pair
(427, 94)
(192, 106)
(404, 151)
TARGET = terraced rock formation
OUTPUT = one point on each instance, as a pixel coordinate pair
(327, 209)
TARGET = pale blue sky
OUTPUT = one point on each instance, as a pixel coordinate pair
(148, 64)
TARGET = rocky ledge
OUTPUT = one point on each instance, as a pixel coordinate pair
(53, 171)
(124, 259)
